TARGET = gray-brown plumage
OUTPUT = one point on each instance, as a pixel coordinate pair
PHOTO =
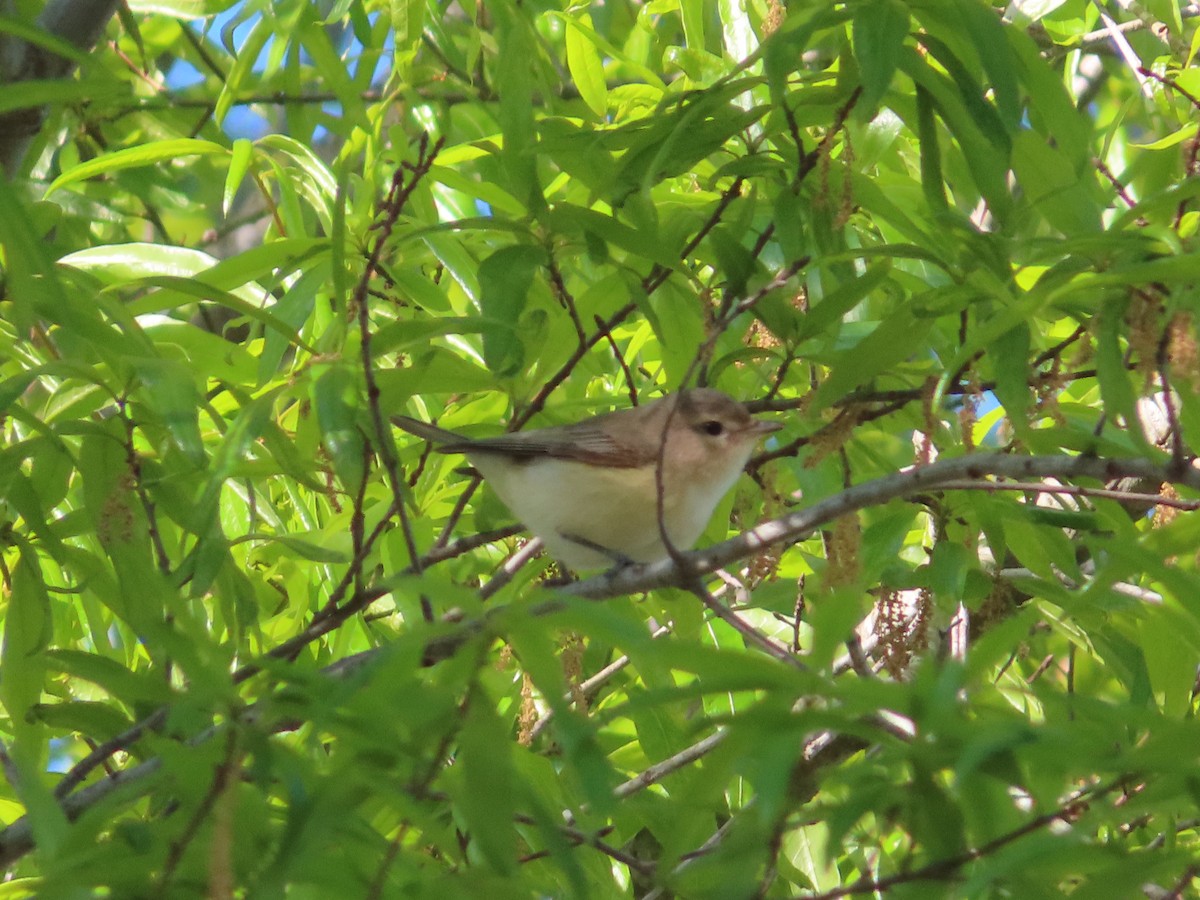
(589, 489)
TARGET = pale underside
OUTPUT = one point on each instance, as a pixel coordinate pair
(606, 507)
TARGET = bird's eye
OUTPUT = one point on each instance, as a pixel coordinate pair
(713, 427)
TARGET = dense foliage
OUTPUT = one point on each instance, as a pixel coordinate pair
(256, 642)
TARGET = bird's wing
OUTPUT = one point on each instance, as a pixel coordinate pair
(589, 442)
(586, 442)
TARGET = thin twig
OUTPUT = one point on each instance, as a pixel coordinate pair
(630, 384)
(510, 567)
(401, 190)
(1072, 490)
(661, 770)
(943, 869)
(220, 783)
(753, 636)
(588, 688)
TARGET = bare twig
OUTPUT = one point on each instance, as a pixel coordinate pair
(943, 869)
(404, 182)
(753, 636)
(630, 384)
(661, 770)
(221, 782)
(510, 567)
(588, 688)
(1037, 487)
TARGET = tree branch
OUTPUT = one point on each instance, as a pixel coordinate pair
(79, 23)
(799, 525)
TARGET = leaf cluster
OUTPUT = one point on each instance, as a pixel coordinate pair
(257, 643)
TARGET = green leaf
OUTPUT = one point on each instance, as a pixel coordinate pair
(692, 12)
(677, 140)
(319, 176)
(334, 75)
(741, 38)
(121, 263)
(336, 401)
(1111, 373)
(182, 9)
(197, 289)
(933, 183)
(505, 278)
(408, 21)
(302, 548)
(1012, 374)
(34, 93)
(488, 802)
(37, 288)
(1052, 110)
(1053, 185)
(587, 69)
(242, 69)
(170, 390)
(408, 333)
(1171, 634)
(514, 83)
(834, 305)
(250, 423)
(28, 630)
(435, 370)
(612, 230)
(135, 157)
(131, 687)
(985, 155)
(35, 34)
(892, 341)
(239, 164)
(880, 28)
(98, 721)
(988, 35)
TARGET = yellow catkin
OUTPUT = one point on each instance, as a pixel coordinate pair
(1142, 317)
(1165, 515)
(1183, 350)
(764, 566)
(572, 663)
(1049, 387)
(901, 631)
(846, 207)
(528, 715)
(845, 541)
(776, 13)
(968, 414)
(116, 518)
(832, 437)
(996, 607)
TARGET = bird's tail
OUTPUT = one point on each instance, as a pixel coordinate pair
(427, 431)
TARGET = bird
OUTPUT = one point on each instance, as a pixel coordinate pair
(589, 490)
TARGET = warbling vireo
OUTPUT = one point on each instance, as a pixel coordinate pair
(588, 490)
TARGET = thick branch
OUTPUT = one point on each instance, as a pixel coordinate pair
(77, 22)
(935, 476)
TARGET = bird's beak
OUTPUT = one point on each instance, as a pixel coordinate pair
(761, 428)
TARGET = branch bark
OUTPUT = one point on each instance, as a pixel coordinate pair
(79, 23)
(935, 476)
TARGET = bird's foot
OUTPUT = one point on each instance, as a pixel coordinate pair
(619, 560)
